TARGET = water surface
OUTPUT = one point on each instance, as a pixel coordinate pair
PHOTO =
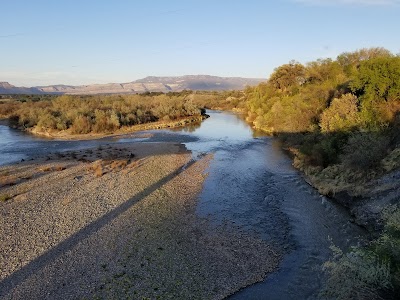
(252, 186)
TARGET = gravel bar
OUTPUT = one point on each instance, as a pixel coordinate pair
(119, 222)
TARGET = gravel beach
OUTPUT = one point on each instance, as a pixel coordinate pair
(119, 222)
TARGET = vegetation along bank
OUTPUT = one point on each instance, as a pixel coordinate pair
(340, 121)
(83, 116)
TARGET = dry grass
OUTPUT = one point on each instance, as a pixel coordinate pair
(118, 165)
(98, 169)
(392, 161)
(45, 169)
(102, 167)
(48, 168)
(8, 181)
(337, 178)
(4, 197)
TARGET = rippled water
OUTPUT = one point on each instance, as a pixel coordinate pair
(252, 185)
(251, 182)
(16, 145)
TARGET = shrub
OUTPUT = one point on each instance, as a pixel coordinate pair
(97, 168)
(365, 150)
(81, 125)
(323, 149)
(359, 274)
(100, 114)
(371, 272)
(4, 197)
(342, 114)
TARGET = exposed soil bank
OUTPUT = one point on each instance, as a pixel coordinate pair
(364, 194)
(119, 222)
(367, 207)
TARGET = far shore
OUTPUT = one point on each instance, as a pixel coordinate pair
(66, 135)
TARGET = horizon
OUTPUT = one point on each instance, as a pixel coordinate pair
(97, 42)
(178, 76)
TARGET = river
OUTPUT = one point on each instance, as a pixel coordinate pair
(252, 186)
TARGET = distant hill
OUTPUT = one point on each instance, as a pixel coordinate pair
(148, 84)
(6, 88)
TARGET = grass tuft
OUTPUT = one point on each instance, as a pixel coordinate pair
(5, 197)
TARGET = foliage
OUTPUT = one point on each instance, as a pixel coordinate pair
(341, 120)
(378, 79)
(321, 104)
(371, 272)
(365, 150)
(359, 274)
(222, 100)
(323, 150)
(287, 77)
(85, 114)
(341, 115)
(350, 61)
(4, 197)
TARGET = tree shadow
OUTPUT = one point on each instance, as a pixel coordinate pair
(45, 259)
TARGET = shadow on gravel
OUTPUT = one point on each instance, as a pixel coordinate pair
(46, 258)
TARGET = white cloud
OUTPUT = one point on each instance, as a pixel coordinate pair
(350, 2)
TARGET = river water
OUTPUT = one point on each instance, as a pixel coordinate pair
(251, 186)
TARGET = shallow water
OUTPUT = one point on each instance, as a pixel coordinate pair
(16, 145)
(251, 185)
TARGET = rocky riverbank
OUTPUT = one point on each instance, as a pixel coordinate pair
(119, 222)
(366, 194)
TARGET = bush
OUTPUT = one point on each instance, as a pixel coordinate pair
(81, 125)
(371, 272)
(342, 114)
(365, 150)
(100, 114)
(4, 197)
(358, 274)
(323, 149)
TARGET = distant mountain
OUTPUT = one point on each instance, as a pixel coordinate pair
(6, 88)
(148, 84)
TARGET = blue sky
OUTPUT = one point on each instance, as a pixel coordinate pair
(82, 42)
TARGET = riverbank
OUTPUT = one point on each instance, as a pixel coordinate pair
(364, 193)
(119, 221)
(67, 135)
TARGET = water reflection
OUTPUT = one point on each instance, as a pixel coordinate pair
(192, 127)
(221, 131)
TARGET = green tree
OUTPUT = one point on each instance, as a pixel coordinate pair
(323, 70)
(350, 61)
(342, 114)
(287, 77)
(378, 79)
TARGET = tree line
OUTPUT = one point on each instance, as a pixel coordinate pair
(332, 110)
(341, 120)
(97, 114)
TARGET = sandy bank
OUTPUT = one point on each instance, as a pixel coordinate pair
(117, 222)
